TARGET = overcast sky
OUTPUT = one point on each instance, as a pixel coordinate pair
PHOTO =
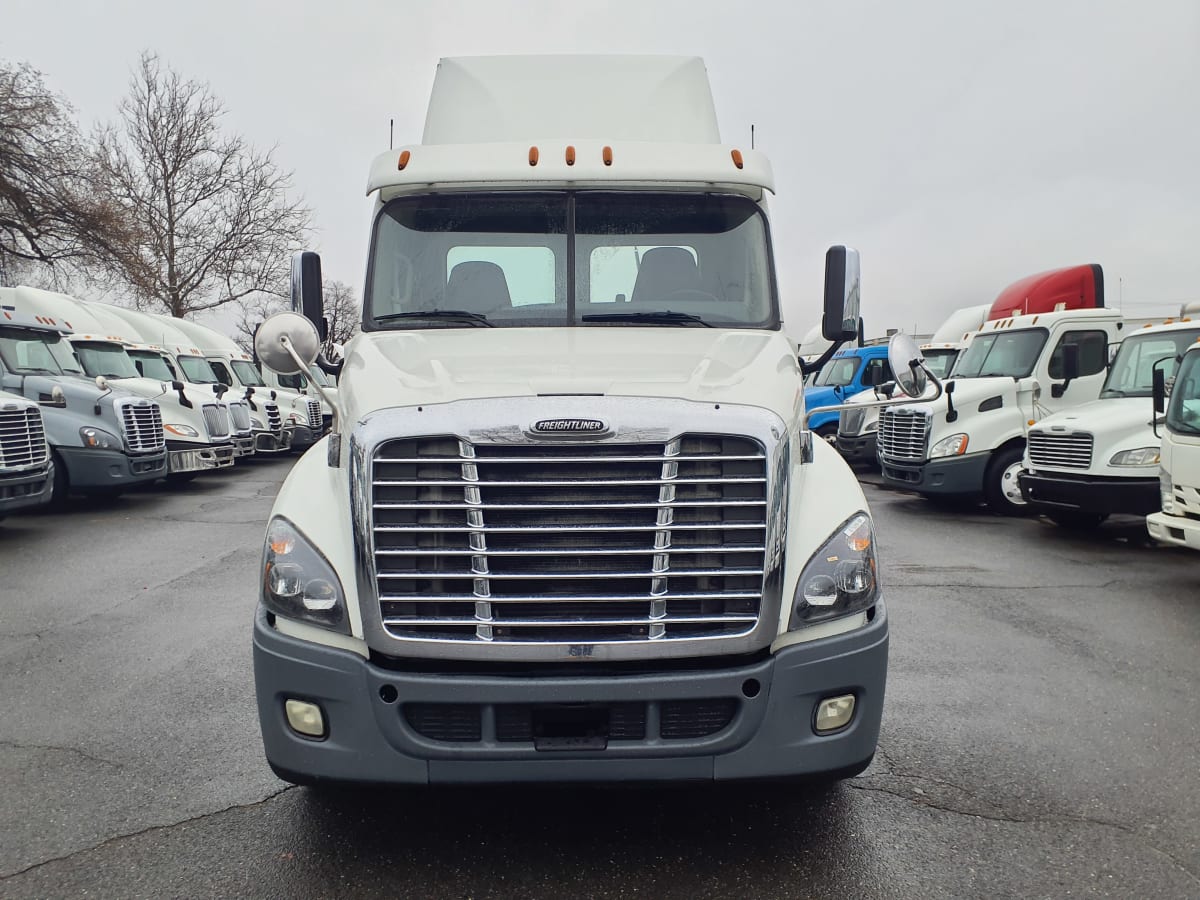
(958, 145)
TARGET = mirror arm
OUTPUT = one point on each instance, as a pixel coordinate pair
(301, 367)
(871, 403)
(819, 363)
(329, 368)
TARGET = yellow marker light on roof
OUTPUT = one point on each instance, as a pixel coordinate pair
(403, 161)
(737, 158)
(1032, 421)
(533, 156)
(607, 156)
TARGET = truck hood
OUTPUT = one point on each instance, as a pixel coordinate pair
(391, 369)
(1118, 423)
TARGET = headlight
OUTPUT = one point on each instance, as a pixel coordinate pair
(955, 445)
(99, 439)
(298, 583)
(1167, 491)
(840, 579)
(1143, 456)
(182, 430)
(296, 418)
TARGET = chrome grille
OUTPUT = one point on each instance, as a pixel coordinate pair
(569, 543)
(850, 421)
(216, 420)
(239, 412)
(22, 437)
(314, 414)
(1060, 451)
(141, 421)
(274, 420)
(903, 434)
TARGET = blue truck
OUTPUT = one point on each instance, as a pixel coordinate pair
(847, 373)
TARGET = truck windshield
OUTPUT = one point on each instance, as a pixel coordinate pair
(152, 365)
(318, 376)
(247, 373)
(838, 372)
(197, 370)
(1183, 413)
(1011, 354)
(109, 360)
(28, 351)
(587, 258)
(940, 361)
(1132, 372)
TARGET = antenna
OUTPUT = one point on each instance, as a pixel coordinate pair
(391, 134)
(751, 135)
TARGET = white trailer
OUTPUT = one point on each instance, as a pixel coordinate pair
(570, 523)
(1178, 521)
(1102, 458)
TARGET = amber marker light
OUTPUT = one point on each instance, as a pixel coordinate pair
(606, 155)
(737, 158)
(570, 156)
(404, 158)
(533, 156)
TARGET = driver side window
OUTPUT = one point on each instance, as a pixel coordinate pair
(1093, 353)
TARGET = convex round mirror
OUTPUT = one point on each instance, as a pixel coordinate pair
(301, 333)
(904, 356)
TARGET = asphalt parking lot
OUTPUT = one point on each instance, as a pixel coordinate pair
(1039, 740)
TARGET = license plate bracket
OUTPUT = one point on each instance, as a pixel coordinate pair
(570, 726)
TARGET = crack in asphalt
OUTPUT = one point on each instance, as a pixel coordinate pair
(999, 587)
(150, 829)
(83, 754)
(203, 564)
(921, 800)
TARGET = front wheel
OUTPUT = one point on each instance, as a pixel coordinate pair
(828, 434)
(60, 486)
(1000, 486)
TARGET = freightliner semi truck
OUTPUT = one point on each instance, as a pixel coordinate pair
(102, 439)
(1102, 458)
(570, 523)
(26, 478)
(1178, 521)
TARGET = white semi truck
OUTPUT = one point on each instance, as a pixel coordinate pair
(103, 350)
(1178, 521)
(102, 439)
(859, 425)
(1015, 372)
(26, 478)
(1102, 458)
(274, 415)
(569, 523)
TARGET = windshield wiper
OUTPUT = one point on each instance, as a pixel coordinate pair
(461, 315)
(649, 318)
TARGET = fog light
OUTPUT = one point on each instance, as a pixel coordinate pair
(306, 718)
(834, 713)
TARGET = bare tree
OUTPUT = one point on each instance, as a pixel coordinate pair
(214, 223)
(50, 211)
(343, 312)
(252, 312)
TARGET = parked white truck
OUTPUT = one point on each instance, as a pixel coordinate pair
(1015, 372)
(570, 524)
(274, 415)
(1102, 458)
(102, 439)
(1178, 521)
(859, 425)
(26, 478)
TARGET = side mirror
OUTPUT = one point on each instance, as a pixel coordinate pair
(1070, 369)
(287, 343)
(1160, 391)
(842, 303)
(907, 364)
(306, 290)
(874, 376)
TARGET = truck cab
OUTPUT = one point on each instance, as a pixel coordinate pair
(102, 439)
(1102, 458)
(847, 373)
(1015, 372)
(1178, 520)
(26, 476)
(570, 522)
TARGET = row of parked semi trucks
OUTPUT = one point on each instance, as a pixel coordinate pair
(95, 399)
(1053, 404)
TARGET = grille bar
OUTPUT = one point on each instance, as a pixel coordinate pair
(216, 420)
(274, 419)
(239, 412)
(903, 435)
(597, 541)
(22, 438)
(141, 421)
(314, 413)
(1065, 451)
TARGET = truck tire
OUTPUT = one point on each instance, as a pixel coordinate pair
(60, 487)
(828, 434)
(1000, 487)
(1076, 520)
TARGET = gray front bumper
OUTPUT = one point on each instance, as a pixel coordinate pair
(90, 469)
(945, 475)
(770, 735)
(26, 489)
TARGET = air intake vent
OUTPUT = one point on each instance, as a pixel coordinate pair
(216, 420)
(1050, 450)
(22, 437)
(903, 435)
(240, 414)
(141, 420)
